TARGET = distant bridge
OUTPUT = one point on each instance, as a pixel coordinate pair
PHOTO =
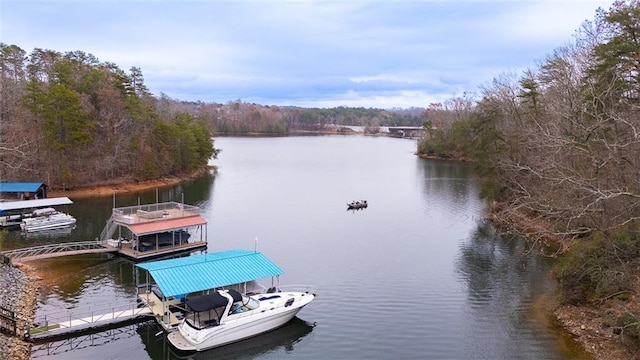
(56, 250)
(404, 131)
(396, 131)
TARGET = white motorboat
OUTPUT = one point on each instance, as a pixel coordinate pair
(47, 221)
(209, 300)
(225, 316)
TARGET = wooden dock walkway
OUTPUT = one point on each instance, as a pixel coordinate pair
(94, 247)
(65, 323)
(56, 250)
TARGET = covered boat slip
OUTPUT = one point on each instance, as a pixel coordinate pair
(13, 191)
(177, 278)
(12, 212)
(147, 230)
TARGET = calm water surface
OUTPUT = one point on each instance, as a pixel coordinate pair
(416, 275)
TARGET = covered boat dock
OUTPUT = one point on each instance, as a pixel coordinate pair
(12, 212)
(146, 231)
(17, 191)
(169, 282)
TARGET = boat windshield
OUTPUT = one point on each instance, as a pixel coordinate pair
(250, 303)
(246, 304)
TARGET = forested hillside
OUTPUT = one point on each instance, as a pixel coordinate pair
(69, 120)
(238, 117)
(560, 146)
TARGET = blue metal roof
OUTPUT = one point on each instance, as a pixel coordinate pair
(19, 186)
(186, 275)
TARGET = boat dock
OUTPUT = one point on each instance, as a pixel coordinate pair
(162, 296)
(146, 231)
(13, 212)
(73, 321)
(93, 247)
(137, 232)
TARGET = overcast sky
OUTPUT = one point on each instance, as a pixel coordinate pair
(313, 53)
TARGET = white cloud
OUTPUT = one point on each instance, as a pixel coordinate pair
(311, 53)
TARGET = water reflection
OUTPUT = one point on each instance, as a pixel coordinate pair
(279, 341)
(53, 233)
(504, 280)
(447, 183)
(86, 345)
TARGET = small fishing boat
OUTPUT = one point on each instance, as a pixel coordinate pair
(47, 219)
(357, 204)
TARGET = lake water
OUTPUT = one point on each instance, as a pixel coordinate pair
(416, 275)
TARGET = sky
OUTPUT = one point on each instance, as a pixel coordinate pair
(308, 53)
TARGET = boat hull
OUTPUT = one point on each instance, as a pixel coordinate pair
(47, 227)
(52, 222)
(262, 321)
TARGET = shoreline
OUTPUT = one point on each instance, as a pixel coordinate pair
(588, 326)
(19, 292)
(124, 186)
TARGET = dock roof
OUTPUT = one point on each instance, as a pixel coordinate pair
(181, 276)
(34, 204)
(19, 186)
(166, 225)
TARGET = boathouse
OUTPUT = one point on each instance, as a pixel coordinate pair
(146, 231)
(13, 212)
(169, 281)
(17, 191)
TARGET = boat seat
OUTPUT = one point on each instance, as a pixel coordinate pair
(236, 309)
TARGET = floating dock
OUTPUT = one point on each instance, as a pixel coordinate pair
(13, 212)
(162, 296)
(147, 231)
(139, 233)
(65, 323)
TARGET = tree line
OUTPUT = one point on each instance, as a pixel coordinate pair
(559, 146)
(240, 118)
(69, 120)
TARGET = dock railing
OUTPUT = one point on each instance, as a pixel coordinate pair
(72, 320)
(151, 211)
(130, 215)
(59, 249)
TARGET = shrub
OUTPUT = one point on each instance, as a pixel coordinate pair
(598, 268)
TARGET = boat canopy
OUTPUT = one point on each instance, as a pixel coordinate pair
(33, 204)
(211, 301)
(181, 276)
